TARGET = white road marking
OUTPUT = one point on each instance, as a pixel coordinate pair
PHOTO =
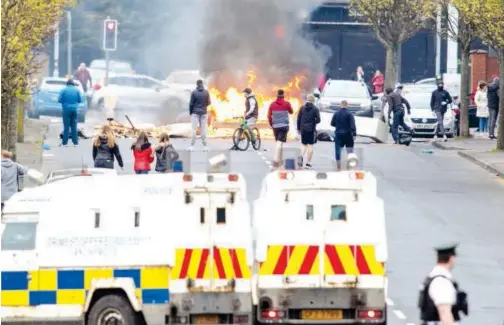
(389, 302)
(399, 314)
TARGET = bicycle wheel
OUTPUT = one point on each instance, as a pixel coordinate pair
(257, 137)
(240, 139)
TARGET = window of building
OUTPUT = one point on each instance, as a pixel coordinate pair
(338, 212)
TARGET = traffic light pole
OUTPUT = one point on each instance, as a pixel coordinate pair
(107, 65)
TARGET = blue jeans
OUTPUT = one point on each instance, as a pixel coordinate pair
(141, 172)
(70, 125)
(483, 124)
(399, 121)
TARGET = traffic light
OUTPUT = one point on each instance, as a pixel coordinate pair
(110, 35)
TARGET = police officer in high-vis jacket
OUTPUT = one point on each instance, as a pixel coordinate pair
(441, 300)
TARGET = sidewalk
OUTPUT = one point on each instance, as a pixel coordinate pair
(479, 151)
(29, 153)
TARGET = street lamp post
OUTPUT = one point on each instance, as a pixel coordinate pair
(69, 42)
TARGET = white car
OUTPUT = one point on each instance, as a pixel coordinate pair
(422, 119)
(184, 80)
(140, 95)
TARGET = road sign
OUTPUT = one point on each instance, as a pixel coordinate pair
(110, 35)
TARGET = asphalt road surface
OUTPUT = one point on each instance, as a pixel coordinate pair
(430, 198)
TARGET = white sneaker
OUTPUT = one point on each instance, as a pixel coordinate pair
(205, 148)
(445, 138)
(191, 148)
(76, 146)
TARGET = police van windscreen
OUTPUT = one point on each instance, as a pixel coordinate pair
(19, 236)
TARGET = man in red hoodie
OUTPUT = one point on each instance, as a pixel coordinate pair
(279, 120)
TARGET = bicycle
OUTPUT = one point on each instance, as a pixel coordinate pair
(242, 134)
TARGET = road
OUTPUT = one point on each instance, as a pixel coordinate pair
(430, 198)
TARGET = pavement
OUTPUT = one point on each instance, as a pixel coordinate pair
(480, 151)
(29, 153)
(431, 196)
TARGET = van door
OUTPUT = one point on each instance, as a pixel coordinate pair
(20, 270)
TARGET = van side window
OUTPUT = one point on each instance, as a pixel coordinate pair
(202, 215)
(338, 212)
(97, 219)
(19, 236)
(309, 212)
(221, 215)
(137, 218)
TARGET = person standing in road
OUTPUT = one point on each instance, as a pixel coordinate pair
(12, 175)
(105, 148)
(251, 111)
(307, 120)
(396, 104)
(165, 154)
(142, 151)
(440, 99)
(493, 105)
(198, 106)
(70, 98)
(82, 74)
(377, 82)
(278, 118)
(345, 133)
(481, 101)
(440, 299)
(359, 75)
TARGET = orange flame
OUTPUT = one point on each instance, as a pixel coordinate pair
(230, 103)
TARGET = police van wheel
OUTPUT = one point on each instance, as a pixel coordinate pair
(112, 309)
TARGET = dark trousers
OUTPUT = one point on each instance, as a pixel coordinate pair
(70, 125)
(340, 141)
(396, 122)
(492, 121)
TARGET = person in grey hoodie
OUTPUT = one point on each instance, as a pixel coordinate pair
(198, 105)
(12, 172)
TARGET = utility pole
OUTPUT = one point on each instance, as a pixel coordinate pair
(56, 51)
(438, 42)
(69, 42)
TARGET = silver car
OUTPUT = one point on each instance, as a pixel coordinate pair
(357, 94)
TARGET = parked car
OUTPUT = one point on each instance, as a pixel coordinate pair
(473, 119)
(184, 80)
(357, 95)
(422, 119)
(141, 95)
(45, 99)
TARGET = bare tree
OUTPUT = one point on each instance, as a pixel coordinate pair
(394, 22)
(459, 30)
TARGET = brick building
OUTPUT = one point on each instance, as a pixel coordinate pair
(484, 65)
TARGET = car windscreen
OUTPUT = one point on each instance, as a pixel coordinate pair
(346, 89)
(19, 236)
(419, 102)
(121, 67)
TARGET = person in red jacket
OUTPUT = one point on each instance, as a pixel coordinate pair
(377, 82)
(142, 151)
(279, 120)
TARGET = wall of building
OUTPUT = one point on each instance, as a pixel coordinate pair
(483, 67)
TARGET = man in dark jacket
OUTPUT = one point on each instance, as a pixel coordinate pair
(279, 120)
(198, 105)
(493, 105)
(307, 120)
(345, 133)
(440, 99)
(396, 103)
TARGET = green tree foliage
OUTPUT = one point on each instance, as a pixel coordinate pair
(487, 17)
(25, 24)
(394, 22)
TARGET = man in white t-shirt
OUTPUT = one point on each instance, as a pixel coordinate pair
(441, 291)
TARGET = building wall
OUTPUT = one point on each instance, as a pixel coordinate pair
(483, 67)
